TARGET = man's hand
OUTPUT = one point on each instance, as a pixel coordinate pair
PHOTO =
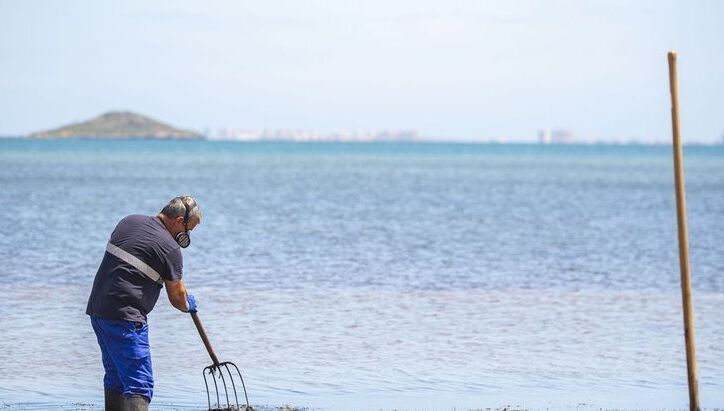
(191, 301)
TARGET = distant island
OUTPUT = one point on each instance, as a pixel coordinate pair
(119, 124)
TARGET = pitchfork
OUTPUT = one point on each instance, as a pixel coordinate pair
(221, 375)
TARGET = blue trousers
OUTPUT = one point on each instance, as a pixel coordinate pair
(126, 356)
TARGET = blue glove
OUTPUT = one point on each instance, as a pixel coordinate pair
(192, 303)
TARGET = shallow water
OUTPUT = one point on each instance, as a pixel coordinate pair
(375, 276)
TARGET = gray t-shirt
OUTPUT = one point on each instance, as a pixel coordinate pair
(120, 290)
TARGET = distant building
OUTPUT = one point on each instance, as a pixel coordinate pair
(557, 136)
(544, 136)
(306, 135)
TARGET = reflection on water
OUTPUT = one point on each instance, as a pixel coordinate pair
(374, 276)
(328, 348)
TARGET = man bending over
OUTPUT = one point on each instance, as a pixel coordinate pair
(142, 255)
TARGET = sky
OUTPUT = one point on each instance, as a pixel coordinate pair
(451, 69)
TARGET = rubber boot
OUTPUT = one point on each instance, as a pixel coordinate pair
(114, 400)
(135, 403)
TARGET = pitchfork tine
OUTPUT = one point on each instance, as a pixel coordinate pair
(216, 387)
(226, 391)
(208, 395)
(243, 386)
(233, 386)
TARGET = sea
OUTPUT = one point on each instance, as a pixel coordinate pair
(375, 276)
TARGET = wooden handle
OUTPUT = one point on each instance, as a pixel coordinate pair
(204, 338)
(688, 310)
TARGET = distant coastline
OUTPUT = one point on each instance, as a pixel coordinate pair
(127, 125)
(419, 141)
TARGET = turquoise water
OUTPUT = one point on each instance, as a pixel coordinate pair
(361, 276)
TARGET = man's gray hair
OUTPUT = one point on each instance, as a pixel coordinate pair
(175, 207)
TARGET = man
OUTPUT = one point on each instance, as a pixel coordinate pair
(142, 255)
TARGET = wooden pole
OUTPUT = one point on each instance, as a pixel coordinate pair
(683, 239)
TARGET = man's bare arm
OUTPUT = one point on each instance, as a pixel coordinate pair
(177, 295)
